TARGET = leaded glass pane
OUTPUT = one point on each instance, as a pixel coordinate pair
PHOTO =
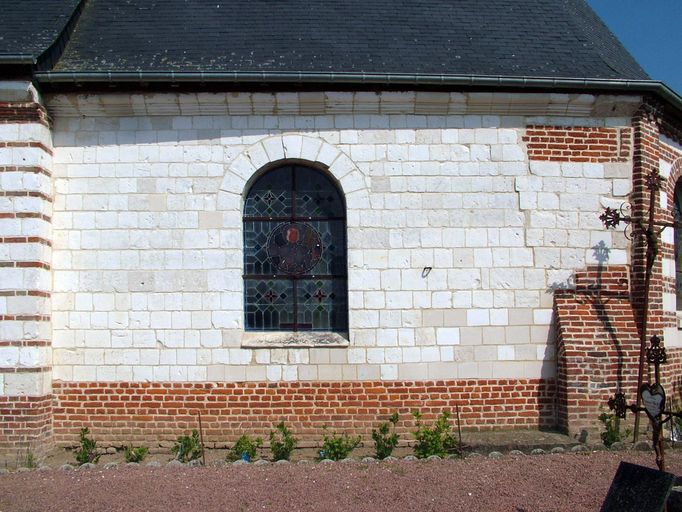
(270, 195)
(269, 304)
(322, 304)
(677, 215)
(295, 252)
(316, 196)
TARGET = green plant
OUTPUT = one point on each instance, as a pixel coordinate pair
(612, 433)
(245, 448)
(337, 447)
(436, 440)
(88, 449)
(188, 448)
(29, 460)
(135, 454)
(385, 440)
(282, 442)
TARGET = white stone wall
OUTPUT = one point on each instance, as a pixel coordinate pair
(147, 259)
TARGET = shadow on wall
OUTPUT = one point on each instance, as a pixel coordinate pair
(595, 321)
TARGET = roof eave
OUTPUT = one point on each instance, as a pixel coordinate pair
(278, 77)
(14, 59)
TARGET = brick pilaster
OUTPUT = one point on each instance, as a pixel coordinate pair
(25, 278)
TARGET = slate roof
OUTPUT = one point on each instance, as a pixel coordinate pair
(29, 27)
(534, 38)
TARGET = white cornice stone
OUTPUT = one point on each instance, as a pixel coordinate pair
(332, 102)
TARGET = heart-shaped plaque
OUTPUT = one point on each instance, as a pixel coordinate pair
(653, 399)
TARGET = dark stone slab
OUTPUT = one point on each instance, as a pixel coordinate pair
(638, 489)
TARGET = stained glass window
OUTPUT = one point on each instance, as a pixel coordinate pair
(677, 214)
(295, 252)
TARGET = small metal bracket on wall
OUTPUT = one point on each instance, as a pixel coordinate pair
(426, 271)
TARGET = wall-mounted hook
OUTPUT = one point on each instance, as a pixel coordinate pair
(426, 271)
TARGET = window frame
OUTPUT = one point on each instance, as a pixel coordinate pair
(335, 334)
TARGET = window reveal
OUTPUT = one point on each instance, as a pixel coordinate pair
(295, 252)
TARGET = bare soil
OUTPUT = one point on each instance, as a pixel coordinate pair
(566, 482)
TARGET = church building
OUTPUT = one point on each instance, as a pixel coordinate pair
(323, 213)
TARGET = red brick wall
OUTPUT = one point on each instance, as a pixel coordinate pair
(120, 413)
(598, 346)
(578, 144)
(25, 424)
(23, 112)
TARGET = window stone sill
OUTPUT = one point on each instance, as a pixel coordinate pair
(294, 339)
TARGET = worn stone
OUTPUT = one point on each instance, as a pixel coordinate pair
(110, 465)
(240, 462)
(538, 451)
(66, 467)
(558, 449)
(132, 464)
(643, 446)
(87, 466)
(410, 458)
(153, 464)
(434, 457)
(368, 460)
(495, 455)
(390, 458)
(195, 463)
(326, 461)
(580, 448)
(517, 453)
(175, 464)
(282, 462)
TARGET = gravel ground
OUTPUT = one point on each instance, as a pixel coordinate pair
(566, 482)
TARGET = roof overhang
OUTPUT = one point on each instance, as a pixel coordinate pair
(360, 79)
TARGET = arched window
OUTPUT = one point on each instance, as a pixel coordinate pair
(677, 215)
(295, 252)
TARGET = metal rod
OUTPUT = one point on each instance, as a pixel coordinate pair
(459, 426)
(201, 434)
(651, 253)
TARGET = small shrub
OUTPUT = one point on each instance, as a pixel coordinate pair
(282, 442)
(88, 449)
(437, 440)
(337, 447)
(28, 460)
(135, 454)
(385, 440)
(245, 448)
(611, 433)
(188, 448)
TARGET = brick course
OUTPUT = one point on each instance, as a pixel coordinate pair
(578, 143)
(119, 412)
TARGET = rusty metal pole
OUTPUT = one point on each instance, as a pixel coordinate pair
(201, 433)
(651, 253)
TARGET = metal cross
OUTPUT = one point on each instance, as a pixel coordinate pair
(650, 232)
(653, 397)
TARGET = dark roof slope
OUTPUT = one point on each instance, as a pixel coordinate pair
(535, 38)
(29, 27)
